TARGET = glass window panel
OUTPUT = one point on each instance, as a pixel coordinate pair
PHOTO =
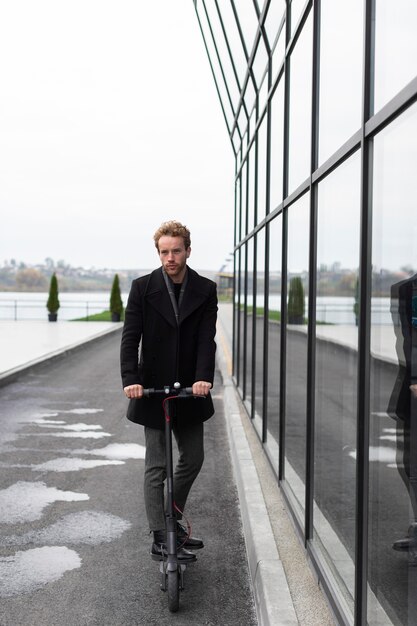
(296, 357)
(250, 95)
(238, 208)
(300, 109)
(216, 67)
(393, 418)
(261, 206)
(297, 7)
(341, 52)
(263, 94)
(236, 314)
(249, 324)
(236, 140)
(274, 338)
(234, 40)
(242, 326)
(259, 312)
(277, 146)
(338, 234)
(251, 189)
(273, 19)
(244, 192)
(260, 62)
(278, 54)
(242, 120)
(248, 21)
(221, 45)
(395, 47)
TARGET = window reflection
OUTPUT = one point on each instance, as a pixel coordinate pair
(395, 47)
(260, 62)
(393, 452)
(234, 40)
(277, 145)
(259, 312)
(278, 53)
(300, 109)
(251, 188)
(229, 112)
(336, 369)
(244, 201)
(242, 316)
(238, 208)
(248, 22)
(261, 206)
(274, 338)
(296, 336)
(341, 51)
(297, 7)
(223, 52)
(249, 325)
(273, 19)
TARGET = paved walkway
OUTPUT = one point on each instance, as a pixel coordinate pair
(25, 343)
(286, 592)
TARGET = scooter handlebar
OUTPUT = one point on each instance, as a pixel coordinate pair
(168, 391)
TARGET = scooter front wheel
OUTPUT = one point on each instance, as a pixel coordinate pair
(173, 588)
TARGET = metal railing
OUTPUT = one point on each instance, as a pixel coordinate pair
(15, 309)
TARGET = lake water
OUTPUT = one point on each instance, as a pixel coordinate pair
(338, 310)
(19, 305)
(32, 306)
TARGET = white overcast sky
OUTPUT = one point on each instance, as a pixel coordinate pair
(109, 125)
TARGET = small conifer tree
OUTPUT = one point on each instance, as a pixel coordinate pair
(296, 303)
(53, 302)
(116, 303)
(356, 303)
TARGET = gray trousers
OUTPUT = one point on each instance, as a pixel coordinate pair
(190, 442)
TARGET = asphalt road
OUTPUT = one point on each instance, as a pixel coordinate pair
(74, 538)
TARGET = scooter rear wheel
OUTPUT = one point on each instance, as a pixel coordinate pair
(173, 588)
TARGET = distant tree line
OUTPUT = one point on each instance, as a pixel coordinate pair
(19, 276)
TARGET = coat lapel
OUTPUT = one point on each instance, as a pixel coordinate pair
(158, 297)
(193, 295)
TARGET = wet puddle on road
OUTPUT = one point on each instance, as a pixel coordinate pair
(72, 435)
(75, 427)
(86, 527)
(56, 412)
(26, 572)
(118, 451)
(78, 430)
(71, 465)
(25, 501)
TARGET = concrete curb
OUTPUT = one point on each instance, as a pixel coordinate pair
(273, 600)
(8, 375)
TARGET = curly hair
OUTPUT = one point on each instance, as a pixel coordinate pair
(173, 229)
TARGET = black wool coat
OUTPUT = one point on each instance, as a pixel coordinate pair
(157, 351)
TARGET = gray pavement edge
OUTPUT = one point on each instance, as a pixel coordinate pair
(286, 588)
(273, 601)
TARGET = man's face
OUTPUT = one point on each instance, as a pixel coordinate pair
(173, 256)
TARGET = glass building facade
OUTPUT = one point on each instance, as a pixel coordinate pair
(320, 103)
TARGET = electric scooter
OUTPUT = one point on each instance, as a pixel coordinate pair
(172, 572)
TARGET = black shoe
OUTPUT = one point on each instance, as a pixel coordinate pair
(159, 553)
(408, 543)
(191, 543)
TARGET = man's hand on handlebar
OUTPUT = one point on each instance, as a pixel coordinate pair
(201, 388)
(133, 391)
